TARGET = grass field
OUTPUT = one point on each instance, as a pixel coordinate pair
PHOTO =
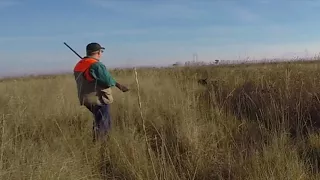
(249, 122)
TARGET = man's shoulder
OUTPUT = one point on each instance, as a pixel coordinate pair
(97, 64)
(99, 68)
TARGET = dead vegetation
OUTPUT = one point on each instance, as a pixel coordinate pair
(251, 123)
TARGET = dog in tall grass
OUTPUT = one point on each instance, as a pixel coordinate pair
(265, 104)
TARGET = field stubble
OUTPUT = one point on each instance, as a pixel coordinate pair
(251, 123)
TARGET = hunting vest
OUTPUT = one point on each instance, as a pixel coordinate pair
(89, 92)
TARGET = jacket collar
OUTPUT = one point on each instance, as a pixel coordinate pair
(91, 58)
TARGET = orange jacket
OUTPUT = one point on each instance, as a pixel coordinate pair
(83, 66)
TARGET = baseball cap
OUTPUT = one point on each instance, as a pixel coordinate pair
(94, 47)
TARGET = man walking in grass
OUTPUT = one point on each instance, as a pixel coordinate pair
(94, 84)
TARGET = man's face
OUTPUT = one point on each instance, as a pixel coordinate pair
(100, 53)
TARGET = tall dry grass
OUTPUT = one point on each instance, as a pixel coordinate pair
(254, 122)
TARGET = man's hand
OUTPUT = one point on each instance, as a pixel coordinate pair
(121, 87)
(124, 89)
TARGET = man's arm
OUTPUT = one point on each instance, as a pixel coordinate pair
(104, 78)
(101, 75)
(121, 87)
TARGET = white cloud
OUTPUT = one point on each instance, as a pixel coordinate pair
(8, 3)
(132, 31)
(158, 9)
(259, 51)
(156, 54)
(50, 37)
(164, 51)
(264, 1)
(187, 9)
(244, 14)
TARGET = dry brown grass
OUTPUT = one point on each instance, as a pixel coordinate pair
(255, 122)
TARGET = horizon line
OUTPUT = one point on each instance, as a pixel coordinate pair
(173, 65)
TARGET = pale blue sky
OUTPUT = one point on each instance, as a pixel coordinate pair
(149, 32)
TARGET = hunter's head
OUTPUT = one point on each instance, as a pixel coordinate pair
(94, 50)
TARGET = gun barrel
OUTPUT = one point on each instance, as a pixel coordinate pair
(72, 50)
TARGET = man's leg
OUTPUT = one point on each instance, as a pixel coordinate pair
(93, 109)
(102, 120)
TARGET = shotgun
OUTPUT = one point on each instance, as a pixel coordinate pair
(72, 50)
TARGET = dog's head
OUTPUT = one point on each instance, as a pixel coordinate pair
(203, 81)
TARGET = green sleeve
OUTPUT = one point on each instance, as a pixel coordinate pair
(102, 75)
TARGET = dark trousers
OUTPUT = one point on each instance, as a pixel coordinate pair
(102, 121)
